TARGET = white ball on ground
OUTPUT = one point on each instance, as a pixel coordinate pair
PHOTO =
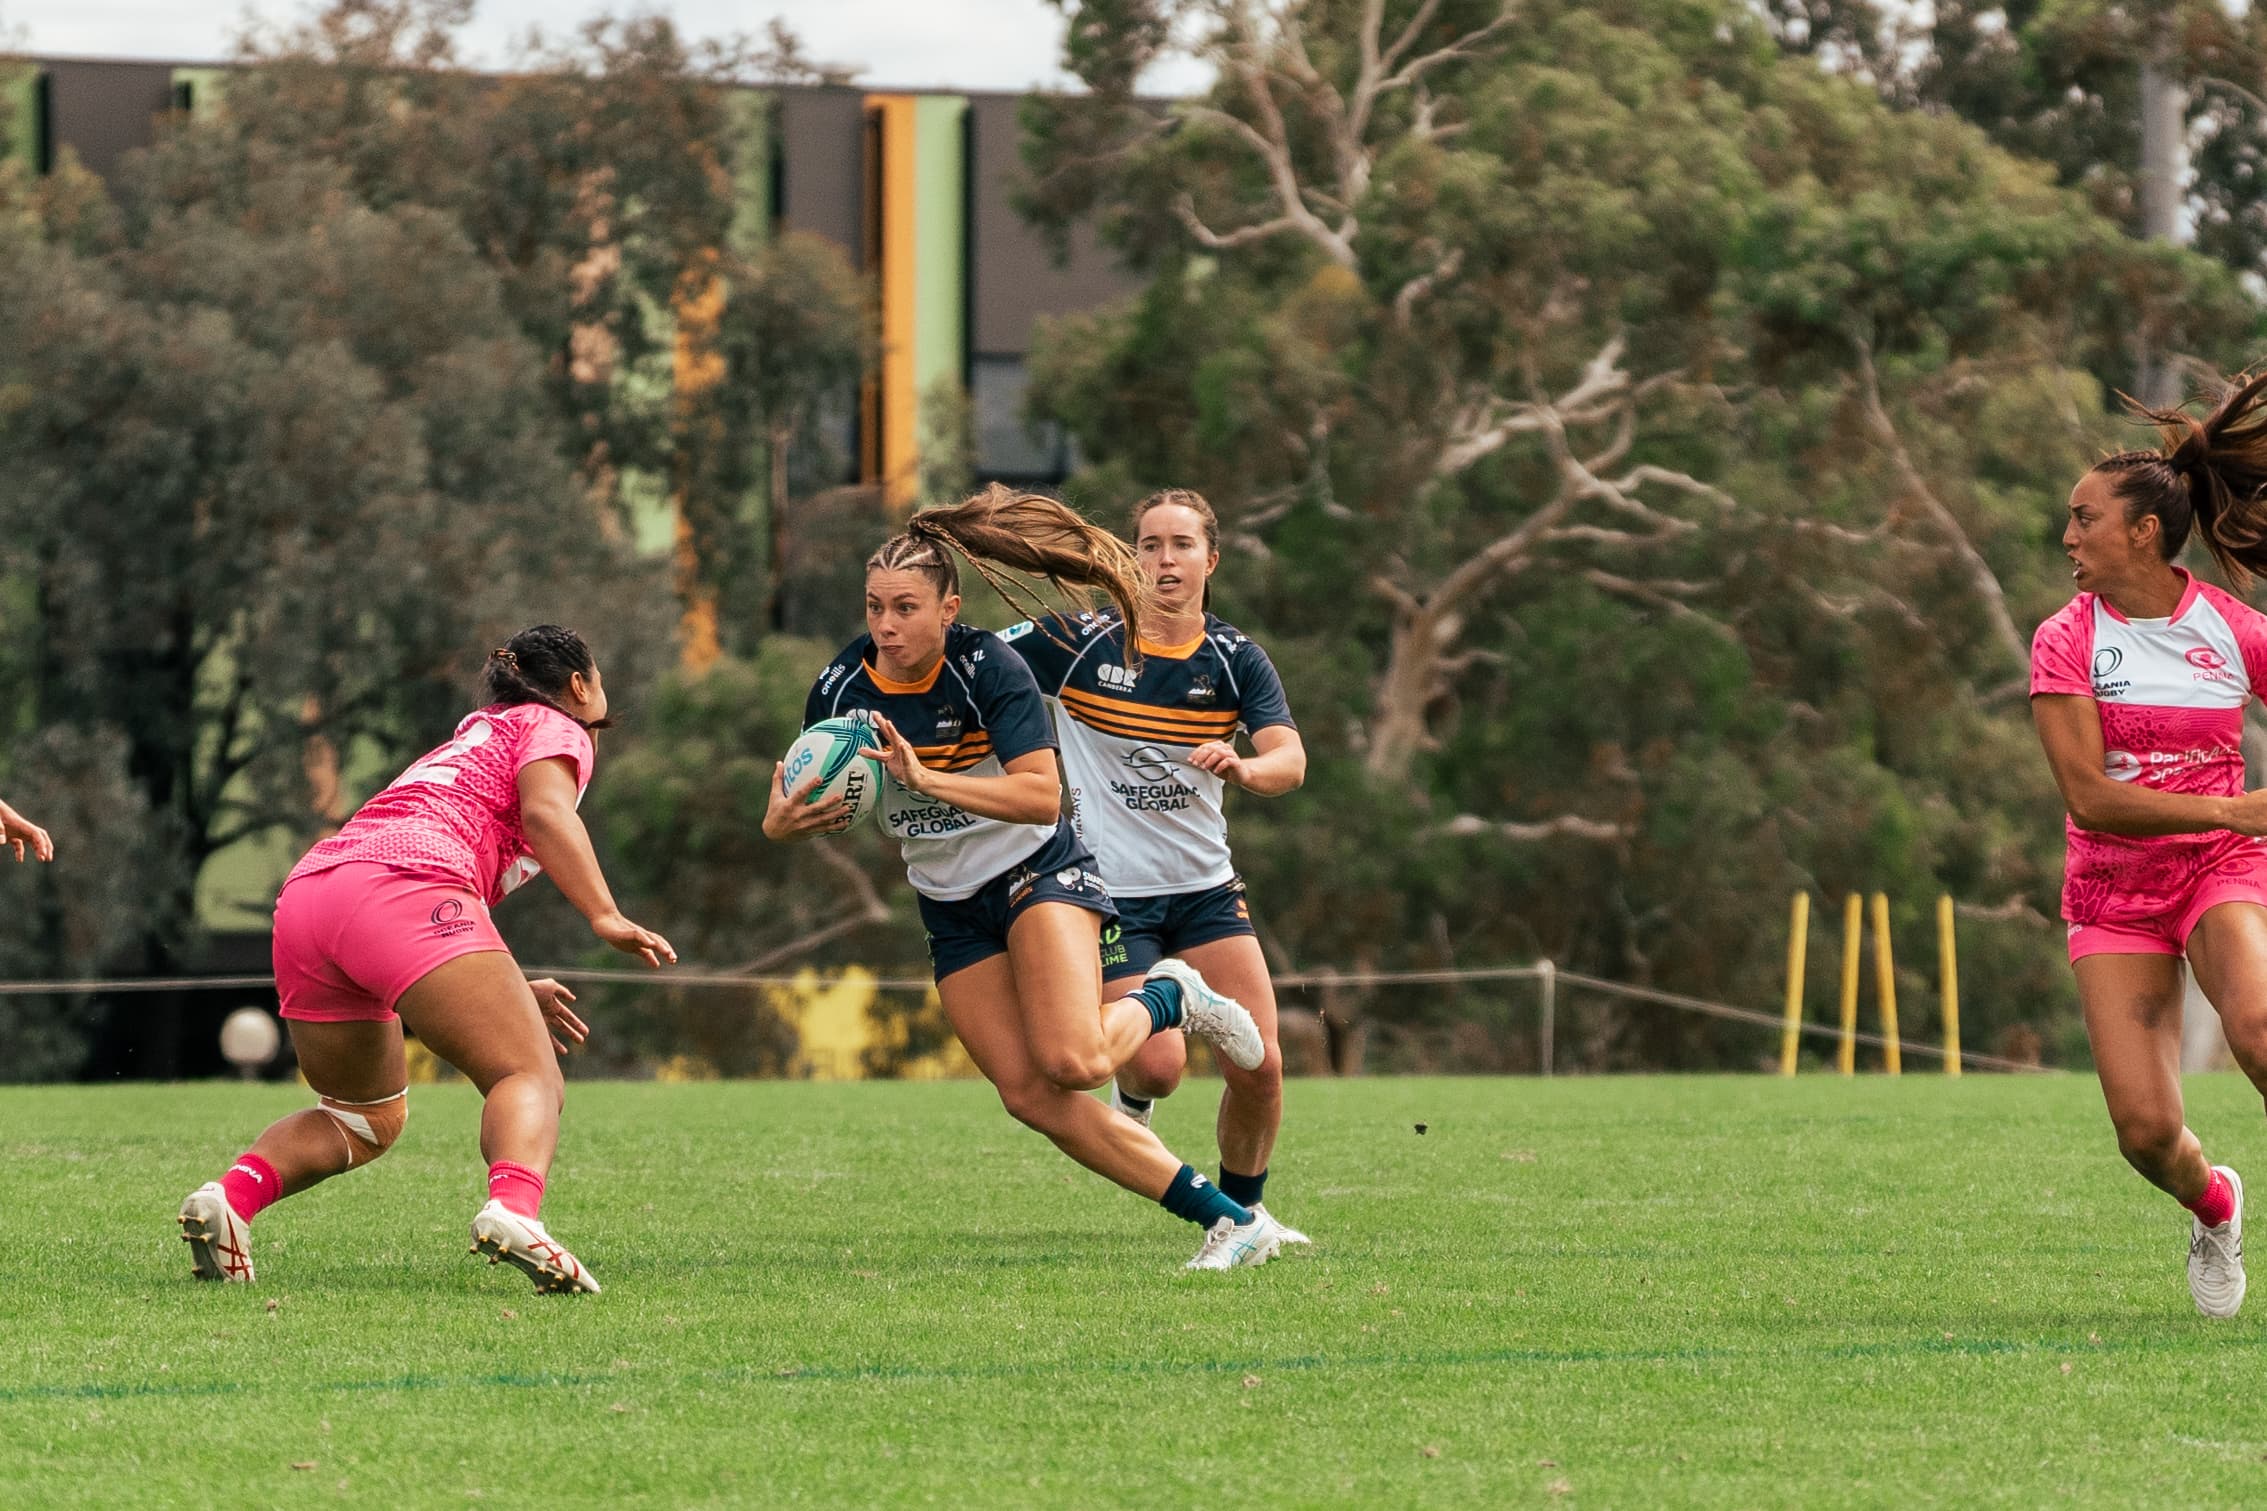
(840, 751)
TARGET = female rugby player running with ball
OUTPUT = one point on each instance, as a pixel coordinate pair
(2138, 689)
(1013, 906)
(1148, 748)
(386, 923)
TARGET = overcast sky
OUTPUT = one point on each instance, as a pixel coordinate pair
(964, 44)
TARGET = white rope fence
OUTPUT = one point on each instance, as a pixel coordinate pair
(1548, 975)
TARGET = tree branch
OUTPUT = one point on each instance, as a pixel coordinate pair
(868, 909)
(1574, 825)
(1980, 575)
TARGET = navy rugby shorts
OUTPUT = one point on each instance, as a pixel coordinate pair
(1150, 928)
(975, 928)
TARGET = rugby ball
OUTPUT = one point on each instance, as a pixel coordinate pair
(842, 751)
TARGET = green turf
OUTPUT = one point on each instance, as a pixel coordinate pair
(1615, 1292)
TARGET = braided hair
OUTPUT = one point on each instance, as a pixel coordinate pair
(2207, 473)
(534, 667)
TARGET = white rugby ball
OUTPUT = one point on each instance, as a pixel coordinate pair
(840, 751)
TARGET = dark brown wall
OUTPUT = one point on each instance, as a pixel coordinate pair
(102, 111)
(822, 146)
(1016, 277)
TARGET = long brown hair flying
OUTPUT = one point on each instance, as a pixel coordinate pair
(2207, 473)
(1022, 532)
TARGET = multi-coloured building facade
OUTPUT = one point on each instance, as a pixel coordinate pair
(915, 187)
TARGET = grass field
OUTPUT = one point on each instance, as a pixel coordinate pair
(1604, 1292)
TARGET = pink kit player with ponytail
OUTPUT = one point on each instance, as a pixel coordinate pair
(2138, 689)
(387, 922)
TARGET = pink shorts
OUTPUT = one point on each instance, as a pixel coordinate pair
(2167, 933)
(350, 940)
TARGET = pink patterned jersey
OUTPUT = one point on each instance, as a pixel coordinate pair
(456, 812)
(2171, 694)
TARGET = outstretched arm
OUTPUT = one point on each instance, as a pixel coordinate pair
(556, 834)
(21, 835)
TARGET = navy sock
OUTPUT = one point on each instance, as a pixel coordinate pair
(1242, 1189)
(1193, 1197)
(1162, 996)
(1131, 1103)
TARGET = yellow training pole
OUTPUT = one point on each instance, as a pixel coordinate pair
(1948, 969)
(1798, 937)
(1853, 935)
(1885, 984)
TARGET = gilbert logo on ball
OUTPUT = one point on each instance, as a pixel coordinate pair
(840, 754)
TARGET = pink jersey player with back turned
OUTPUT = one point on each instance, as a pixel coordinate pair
(2171, 693)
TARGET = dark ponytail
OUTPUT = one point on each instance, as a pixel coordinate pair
(2207, 474)
(534, 667)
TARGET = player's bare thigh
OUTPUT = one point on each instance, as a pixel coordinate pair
(356, 1060)
(2228, 951)
(2132, 1005)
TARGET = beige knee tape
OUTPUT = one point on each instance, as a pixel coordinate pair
(369, 1128)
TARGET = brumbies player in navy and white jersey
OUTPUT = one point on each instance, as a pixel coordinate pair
(1012, 902)
(2139, 688)
(1149, 748)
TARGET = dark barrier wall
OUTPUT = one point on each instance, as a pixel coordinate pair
(821, 165)
(102, 111)
(1016, 278)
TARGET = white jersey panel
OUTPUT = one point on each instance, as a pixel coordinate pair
(951, 853)
(2194, 661)
(1154, 823)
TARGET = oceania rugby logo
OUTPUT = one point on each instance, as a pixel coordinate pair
(2107, 660)
(448, 912)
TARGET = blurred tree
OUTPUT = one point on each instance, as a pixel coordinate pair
(280, 468)
(603, 180)
(1591, 396)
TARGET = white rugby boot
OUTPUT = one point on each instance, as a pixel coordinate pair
(1228, 1247)
(2215, 1258)
(1220, 1021)
(220, 1242)
(503, 1234)
(1290, 1234)
(1118, 1103)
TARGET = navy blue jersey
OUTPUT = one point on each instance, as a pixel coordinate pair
(978, 709)
(1153, 821)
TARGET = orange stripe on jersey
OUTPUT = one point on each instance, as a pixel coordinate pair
(1194, 719)
(969, 750)
(1135, 730)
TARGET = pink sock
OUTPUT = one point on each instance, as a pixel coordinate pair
(251, 1184)
(517, 1187)
(2217, 1204)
